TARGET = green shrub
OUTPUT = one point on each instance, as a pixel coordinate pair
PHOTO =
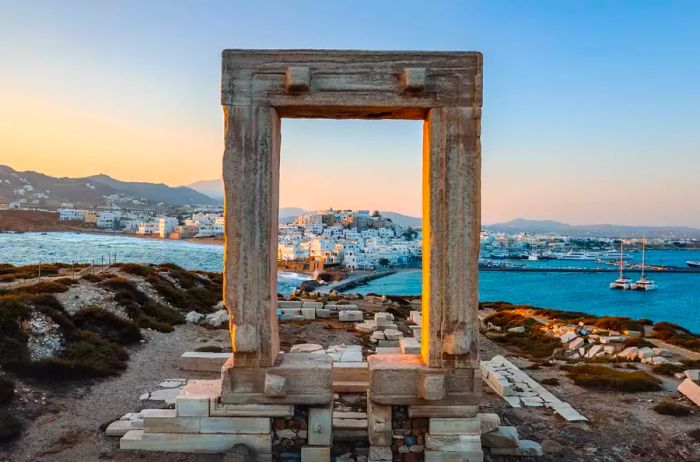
(605, 378)
(672, 408)
(107, 325)
(10, 426)
(530, 342)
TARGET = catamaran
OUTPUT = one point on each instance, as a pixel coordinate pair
(643, 283)
(621, 282)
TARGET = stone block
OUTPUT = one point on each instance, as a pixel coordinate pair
(525, 448)
(594, 350)
(398, 380)
(390, 344)
(316, 454)
(289, 304)
(322, 313)
(432, 387)
(350, 371)
(567, 337)
(488, 422)
(290, 311)
(690, 390)
(612, 339)
(275, 386)
(352, 424)
(693, 374)
(384, 350)
(347, 307)
(350, 315)
(366, 327)
(379, 424)
(195, 398)
(121, 427)
(308, 381)
(502, 437)
(314, 305)
(393, 334)
(453, 411)
(308, 313)
(291, 317)
(171, 424)
(351, 354)
(475, 455)
(202, 361)
(384, 319)
(350, 386)
(196, 443)
(219, 409)
(409, 346)
(305, 348)
(454, 426)
(645, 352)
(453, 443)
(380, 453)
(251, 425)
(320, 426)
(575, 343)
(415, 317)
(629, 353)
(662, 352)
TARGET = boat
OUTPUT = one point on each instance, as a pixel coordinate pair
(576, 256)
(643, 283)
(693, 264)
(621, 283)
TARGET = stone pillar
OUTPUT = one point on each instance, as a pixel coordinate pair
(451, 228)
(251, 183)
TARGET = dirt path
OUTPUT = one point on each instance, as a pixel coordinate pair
(67, 428)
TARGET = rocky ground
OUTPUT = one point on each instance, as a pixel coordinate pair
(64, 421)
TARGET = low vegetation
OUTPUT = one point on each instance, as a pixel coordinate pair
(532, 341)
(673, 408)
(667, 369)
(677, 335)
(608, 379)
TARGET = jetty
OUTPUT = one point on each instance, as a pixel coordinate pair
(353, 281)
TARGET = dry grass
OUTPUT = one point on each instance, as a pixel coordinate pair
(606, 378)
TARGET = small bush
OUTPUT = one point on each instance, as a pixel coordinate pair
(506, 319)
(672, 408)
(550, 381)
(667, 369)
(10, 427)
(13, 341)
(7, 390)
(136, 269)
(638, 342)
(43, 287)
(92, 278)
(605, 378)
(108, 325)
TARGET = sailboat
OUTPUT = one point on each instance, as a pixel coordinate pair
(643, 283)
(621, 282)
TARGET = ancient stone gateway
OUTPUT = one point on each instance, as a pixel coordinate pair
(444, 89)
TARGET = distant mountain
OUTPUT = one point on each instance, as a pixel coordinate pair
(39, 190)
(156, 192)
(522, 225)
(288, 214)
(403, 220)
(212, 188)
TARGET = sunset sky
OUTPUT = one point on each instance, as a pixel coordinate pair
(591, 109)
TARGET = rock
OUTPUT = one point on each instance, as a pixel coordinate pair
(517, 329)
(193, 317)
(526, 448)
(350, 315)
(366, 327)
(645, 352)
(693, 374)
(217, 319)
(612, 339)
(305, 348)
(575, 343)
(503, 437)
(170, 384)
(489, 422)
(567, 337)
(629, 353)
(275, 386)
(656, 360)
(285, 434)
(393, 334)
(594, 350)
(169, 395)
(380, 453)
(144, 397)
(662, 352)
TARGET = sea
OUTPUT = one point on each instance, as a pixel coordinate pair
(677, 299)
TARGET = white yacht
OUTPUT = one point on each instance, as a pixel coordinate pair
(621, 282)
(643, 283)
(693, 264)
(571, 255)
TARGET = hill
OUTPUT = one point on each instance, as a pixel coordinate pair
(212, 188)
(522, 225)
(403, 220)
(38, 190)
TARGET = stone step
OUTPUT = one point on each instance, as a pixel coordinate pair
(194, 443)
(350, 387)
(199, 361)
(352, 424)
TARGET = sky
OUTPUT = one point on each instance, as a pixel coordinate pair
(591, 109)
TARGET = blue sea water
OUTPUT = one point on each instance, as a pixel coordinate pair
(677, 299)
